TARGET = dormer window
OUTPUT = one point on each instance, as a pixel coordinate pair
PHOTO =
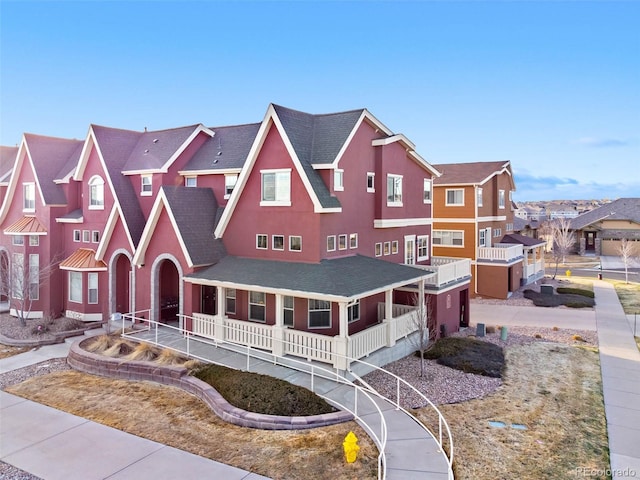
(96, 193)
(147, 185)
(29, 197)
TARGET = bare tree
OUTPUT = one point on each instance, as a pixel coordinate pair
(563, 240)
(424, 325)
(21, 278)
(627, 252)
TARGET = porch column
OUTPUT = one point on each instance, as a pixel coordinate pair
(218, 320)
(390, 331)
(278, 328)
(342, 340)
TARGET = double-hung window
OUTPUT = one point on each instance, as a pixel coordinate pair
(479, 196)
(319, 314)
(501, 199)
(353, 311)
(34, 276)
(276, 188)
(287, 310)
(229, 184)
(394, 190)
(147, 185)
(448, 238)
(230, 300)
(96, 193)
(426, 196)
(423, 247)
(257, 306)
(29, 197)
(482, 237)
(455, 197)
(75, 287)
(92, 288)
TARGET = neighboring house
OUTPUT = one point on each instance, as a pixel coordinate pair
(308, 235)
(7, 159)
(32, 240)
(474, 218)
(600, 231)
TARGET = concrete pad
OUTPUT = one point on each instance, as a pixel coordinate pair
(623, 466)
(620, 399)
(28, 423)
(614, 379)
(625, 417)
(170, 463)
(624, 440)
(7, 399)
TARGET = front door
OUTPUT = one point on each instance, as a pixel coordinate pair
(208, 299)
(410, 250)
(590, 244)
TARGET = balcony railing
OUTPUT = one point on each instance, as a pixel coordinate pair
(446, 270)
(501, 252)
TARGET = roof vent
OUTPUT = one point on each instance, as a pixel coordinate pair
(215, 160)
(155, 140)
(146, 151)
(218, 154)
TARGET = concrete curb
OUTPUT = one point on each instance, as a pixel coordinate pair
(96, 364)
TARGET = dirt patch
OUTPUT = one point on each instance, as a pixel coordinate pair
(172, 417)
(555, 391)
(8, 351)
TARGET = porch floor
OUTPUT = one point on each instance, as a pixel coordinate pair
(405, 438)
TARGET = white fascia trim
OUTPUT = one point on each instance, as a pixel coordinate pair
(72, 269)
(4, 179)
(220, 171)
(347, 142)
(399, 137)
(424, 164)
(84, 155)
(70, 220)
(109, 227)
(500, 218)
(183, 147)
(35, 174)
(4, 209)
(439, 220)
(401, 222)
(149, 229)
(25, 234)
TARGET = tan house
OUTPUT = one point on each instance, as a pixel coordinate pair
(473, 218)
(600, 231)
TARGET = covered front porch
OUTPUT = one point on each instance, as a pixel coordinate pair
(330, 312)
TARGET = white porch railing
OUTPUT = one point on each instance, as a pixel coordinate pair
(532, 269)
(503, 252)
(309, 345)
(447, 270)
(397, 310)
(256, 335)
(367, 341)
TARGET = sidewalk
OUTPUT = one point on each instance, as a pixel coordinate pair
(620, 364)
(52, 444)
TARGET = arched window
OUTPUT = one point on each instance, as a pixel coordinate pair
(96, 193)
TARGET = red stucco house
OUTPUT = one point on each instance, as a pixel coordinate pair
(303, 234)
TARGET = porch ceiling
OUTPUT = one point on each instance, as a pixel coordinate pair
(343, 279)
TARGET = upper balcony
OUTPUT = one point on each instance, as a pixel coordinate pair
(501, 253)
(446, 270)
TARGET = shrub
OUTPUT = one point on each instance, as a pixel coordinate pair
(262, 394)
(469, 355)
(568, 299)
(578, 338)
(576, 291)
(144, 352)
(170, 357)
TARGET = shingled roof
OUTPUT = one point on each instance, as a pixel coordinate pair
(317, 140)
(195, 213)
(342, 278)
(49, 155)
(474, 173)
(621, 209)
(227, 149)
(7, 160)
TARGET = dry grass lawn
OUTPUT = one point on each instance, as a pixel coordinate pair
(629, 295)
(8, 351)
(171, 416)
(556, 392)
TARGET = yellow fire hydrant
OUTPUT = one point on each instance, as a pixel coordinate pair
(568, 273)
(350, 446)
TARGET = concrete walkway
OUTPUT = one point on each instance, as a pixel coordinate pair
(52, 444)
(620, 364)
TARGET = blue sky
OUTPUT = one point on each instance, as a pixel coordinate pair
(552, 86)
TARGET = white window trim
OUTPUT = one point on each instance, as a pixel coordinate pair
(273, 243)
(226, 185)
(34, 277)
(346, 245)
(334, 243)
(428, 182)
(274, 203)
(97, 289)
(258, 235)
(352, 237)
(227, 296)
(338, 186)
(34, 240)
(479, 196)
(72, 274)
(502, 200)
(434, 235)
(195, 181)
(143, 192)
(422, 258)
(17, 240)
(446, 197)
(95, 236)
(291, 309)
(378, 249)
(291, 237)
(262, 305)
(372, 176)
(98, 182)
(394, 247)
(394, 203)
(78, 236)
(350, 310)
(482, 237)
(410, 240)
(317, 310)
(386, 248)
(86, 236)
(32, 186)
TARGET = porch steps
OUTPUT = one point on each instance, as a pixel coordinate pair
(411, 452)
